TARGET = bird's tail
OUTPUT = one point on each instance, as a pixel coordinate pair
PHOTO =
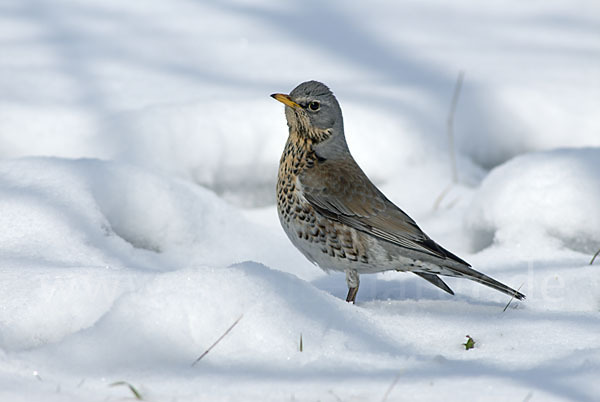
(435, 280)
(461, 271)
(457, 267)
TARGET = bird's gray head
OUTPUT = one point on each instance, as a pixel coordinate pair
(312, 111)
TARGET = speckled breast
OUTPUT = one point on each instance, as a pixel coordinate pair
(327, 243)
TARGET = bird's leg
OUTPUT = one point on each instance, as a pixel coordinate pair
(352, 295)
(352, 279)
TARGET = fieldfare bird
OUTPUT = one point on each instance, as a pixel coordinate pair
(335, 215)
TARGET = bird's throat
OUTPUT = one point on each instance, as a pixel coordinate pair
(298, 153)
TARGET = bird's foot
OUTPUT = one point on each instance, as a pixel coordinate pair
(351, 298)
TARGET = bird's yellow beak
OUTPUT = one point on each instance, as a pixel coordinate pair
(286, 100)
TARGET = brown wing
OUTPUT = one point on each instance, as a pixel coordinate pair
(341, 191)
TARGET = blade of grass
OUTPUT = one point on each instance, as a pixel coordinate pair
(217, 341)
(594, 257)
(134, 391)
(512, 297)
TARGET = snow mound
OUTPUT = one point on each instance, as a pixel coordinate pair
(552, 194)
(206, 142)
(173, 318)
(43, 304)
(96, 213)
(88, 231)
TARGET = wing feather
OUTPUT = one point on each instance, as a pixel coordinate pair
(341, 191)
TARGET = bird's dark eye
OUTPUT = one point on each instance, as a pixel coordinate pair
(314, 106)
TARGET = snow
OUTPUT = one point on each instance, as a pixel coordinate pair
(551, 194)
(138, 155)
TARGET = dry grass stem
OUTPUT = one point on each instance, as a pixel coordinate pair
(217, 341)
(512, 298)
(450, 124)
